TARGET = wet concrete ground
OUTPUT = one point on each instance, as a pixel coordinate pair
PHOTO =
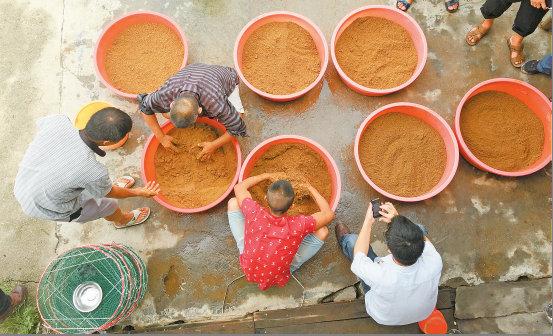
(487, 228)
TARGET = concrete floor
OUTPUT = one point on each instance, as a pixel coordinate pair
(487, 228)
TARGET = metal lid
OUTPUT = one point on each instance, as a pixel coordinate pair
(87, 296)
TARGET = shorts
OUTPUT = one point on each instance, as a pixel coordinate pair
(93, 209)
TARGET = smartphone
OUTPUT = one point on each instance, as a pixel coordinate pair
(376, 207)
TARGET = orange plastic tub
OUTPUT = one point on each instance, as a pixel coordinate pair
(529, 95)
(431, 118)
(149, 169)
(116, 27)
(392, 14)
(281, 16)
(331, 166)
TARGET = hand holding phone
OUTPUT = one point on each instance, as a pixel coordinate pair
(376, 208)
(388, 212)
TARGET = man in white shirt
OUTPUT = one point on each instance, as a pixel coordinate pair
(402, 287)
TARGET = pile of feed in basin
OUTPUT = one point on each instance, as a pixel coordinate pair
(402, 154)
(142, 57)
(187, 182)
(502, 131)
(280, 58)
(299, 163)
(376, 53)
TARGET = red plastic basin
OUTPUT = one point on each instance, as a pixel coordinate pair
(331, 166)
(529, 95)
(116, 27)
(431, 118)
(149, 169)
(281, 16)
(434, 324)
(394, 15)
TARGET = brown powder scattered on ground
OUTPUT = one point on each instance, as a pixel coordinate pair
(143, 57)
(502, 131)
(280, 58)
(376, 53)
(298, 162)
(184, 180)
(402, 154)
(172, 281)
(166, 273)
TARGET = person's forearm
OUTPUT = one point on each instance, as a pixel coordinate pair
(241, 189)
(364, 240)
(251, 181)
(321, 202)
(153, 124)
(325, 215)
(118, 192)
(223, 139)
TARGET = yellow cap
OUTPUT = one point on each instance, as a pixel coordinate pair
(87, 111)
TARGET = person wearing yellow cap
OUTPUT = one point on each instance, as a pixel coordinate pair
(60, 178)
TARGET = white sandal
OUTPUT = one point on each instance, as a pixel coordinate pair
(124, 182)
(134, 221)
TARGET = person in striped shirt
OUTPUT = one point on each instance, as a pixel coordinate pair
(196, 90)
(60, 178)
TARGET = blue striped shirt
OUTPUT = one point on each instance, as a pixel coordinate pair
(212, 84)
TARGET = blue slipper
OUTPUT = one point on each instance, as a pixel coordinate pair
(405, 3)
(450, 3)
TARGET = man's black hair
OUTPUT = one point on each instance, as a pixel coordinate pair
(108, 124)
(280, 196)
(405, 240)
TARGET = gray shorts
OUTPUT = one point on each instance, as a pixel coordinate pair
(93, 209)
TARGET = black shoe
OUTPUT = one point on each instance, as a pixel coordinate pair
(530, 67)
(341, 230)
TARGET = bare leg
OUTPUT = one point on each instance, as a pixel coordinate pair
(487, 23)
(233, 204)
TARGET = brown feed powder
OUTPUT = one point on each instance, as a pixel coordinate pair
(502, 131)
(184, 180)
(143, 57)
(280, 58)
(376, 53)
(299, 163)
(402, 154)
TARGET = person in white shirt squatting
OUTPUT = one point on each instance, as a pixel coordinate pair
(402, 287)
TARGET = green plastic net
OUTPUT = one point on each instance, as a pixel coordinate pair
(116, 268)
